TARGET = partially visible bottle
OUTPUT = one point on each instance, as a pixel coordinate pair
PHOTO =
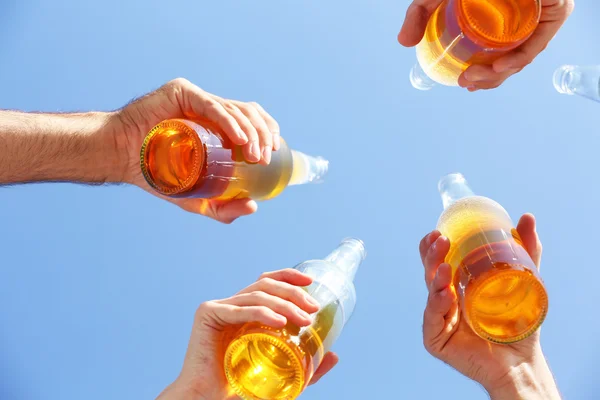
(262, 363)
(581, 80)
(461, 33)
(500, 292)
(181, 158)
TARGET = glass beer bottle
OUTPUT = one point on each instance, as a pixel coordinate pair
(500, 292)
(263, 363)
(182, 158)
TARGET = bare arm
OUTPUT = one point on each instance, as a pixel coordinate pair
(43, 147)
(532, 380)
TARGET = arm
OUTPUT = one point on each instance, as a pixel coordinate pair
(99, 147)
(272, 300)
(77, 147)
(507, 371)
(528, 381)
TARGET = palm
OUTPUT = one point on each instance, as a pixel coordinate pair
(481, 360)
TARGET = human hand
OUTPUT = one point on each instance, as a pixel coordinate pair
(273, 299)
(503, 370)
(554, 14)
(245, 124)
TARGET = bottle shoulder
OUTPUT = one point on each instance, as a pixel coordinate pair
(473, 207)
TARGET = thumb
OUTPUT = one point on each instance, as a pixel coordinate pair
(229, 211)
(529, 236)
(225, 211)
(415, 22)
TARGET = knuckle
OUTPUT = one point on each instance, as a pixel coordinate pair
(266, 281)
(259, 312)
(258, 295)
(204, 308)
(255, 105)
(178, 83)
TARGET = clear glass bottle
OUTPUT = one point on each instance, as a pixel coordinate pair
(182, 158)
(580, 80)
(500, 292)
(461, 33)
(262, 363)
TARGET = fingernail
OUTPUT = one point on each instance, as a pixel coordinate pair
(444, 292)
(254, 150)
(312, 301)
(267, 154)
(276, 142)
(303, 314)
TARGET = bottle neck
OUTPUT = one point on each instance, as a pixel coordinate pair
(307, 169)
(579, 80)
(348, 256)
(452, 188)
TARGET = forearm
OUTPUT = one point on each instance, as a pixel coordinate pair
(77, 147)
(181, 391)
(528, 381)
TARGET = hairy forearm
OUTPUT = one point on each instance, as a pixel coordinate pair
(531, 381)
(42, 147)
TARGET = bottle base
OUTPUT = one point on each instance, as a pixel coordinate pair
(506, 306)
(261, 366)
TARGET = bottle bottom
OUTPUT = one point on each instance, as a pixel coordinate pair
(260, 366)
(505, 306)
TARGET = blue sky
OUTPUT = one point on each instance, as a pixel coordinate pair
(98, 285)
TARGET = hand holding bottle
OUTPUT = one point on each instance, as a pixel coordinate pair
(506, 371)
(245, 124)
(554, 13)
(272, 300)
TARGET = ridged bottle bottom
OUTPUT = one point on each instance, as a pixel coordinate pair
(260, 366)
(506, 306)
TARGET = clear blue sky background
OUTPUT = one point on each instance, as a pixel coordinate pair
(98, 285)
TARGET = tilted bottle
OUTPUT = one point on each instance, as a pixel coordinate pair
(461, 33)
(262, 363)
(182, 158)
(580, 80)
(500, 292)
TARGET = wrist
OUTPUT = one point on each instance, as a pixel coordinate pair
(178, 391)
(528, 380)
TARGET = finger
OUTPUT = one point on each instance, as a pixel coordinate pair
(525, 54)
(439, 303)
(283, 290)
(197, 103)
(225, 211)
(529, 237)
(426, 242)
(271, 124)
(329, 361)
(252, 147)
(289, 275)
(483, 74)
(228, 314)
(485, 85)
(282, 307)
(434, 257)
(415, 22)
(265, 138)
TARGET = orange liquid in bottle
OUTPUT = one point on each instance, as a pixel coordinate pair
(277, 364)
(461, 33)
(180, 158)
(500, 291)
